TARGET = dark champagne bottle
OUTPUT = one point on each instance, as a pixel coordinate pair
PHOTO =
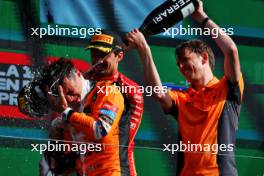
(166, 15)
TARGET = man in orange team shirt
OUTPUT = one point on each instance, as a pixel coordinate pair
(207, 113)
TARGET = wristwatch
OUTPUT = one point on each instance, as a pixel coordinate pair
(66, 114)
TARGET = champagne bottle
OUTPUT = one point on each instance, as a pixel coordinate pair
(166, 15)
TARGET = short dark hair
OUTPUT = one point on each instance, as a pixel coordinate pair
(57, 70)
(196, 46)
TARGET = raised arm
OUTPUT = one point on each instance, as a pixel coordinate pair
(107, 112)
(151, 75)
(224, 42)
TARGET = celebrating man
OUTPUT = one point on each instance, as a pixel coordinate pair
(106, 53)
(110, 118)
(208, 111)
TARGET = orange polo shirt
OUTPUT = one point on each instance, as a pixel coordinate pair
(198, 113)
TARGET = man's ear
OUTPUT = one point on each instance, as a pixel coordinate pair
(205, 57)
(120, 56)
(78, 73)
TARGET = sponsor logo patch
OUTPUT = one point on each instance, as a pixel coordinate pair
(108, 113)
(110, 107)
(103, 38)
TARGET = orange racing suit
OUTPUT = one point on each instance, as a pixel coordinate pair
(111, 119)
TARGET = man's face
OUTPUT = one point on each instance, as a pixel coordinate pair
(109, 63)
(72, 89)
(191, 65)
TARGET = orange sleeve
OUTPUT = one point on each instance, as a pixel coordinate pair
(174, 96)
(173, 110)
(106, 113)
(83, 122)
(241, 85)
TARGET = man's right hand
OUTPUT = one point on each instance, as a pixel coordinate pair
(136, 40)
(59, 103)
(199, 15)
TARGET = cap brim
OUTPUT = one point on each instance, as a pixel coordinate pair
(101, 48)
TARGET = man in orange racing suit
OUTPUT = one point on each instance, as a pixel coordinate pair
(101, 121)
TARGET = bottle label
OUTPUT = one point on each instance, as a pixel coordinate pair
(187, 10)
